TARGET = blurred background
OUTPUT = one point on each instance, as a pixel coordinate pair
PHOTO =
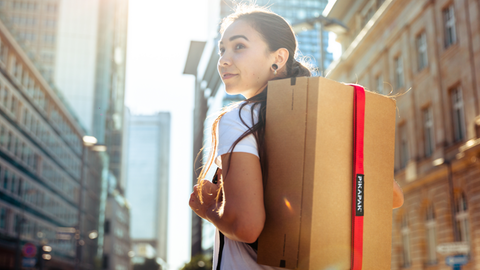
(105, 104)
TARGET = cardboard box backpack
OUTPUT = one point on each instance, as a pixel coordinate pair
(308, 193)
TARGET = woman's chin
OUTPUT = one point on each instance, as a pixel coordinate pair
(233, 91)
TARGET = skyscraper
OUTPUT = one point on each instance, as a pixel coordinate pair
(80, 48)
(148, 175)
(45, 170)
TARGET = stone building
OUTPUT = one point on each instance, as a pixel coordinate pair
(429, 52)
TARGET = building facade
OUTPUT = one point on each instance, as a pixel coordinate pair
(148, 176)
(117, 243)
(49, 182)
(80, 48)
(428, 53)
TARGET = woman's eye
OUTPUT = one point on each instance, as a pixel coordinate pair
(221, 51)
(239, 46)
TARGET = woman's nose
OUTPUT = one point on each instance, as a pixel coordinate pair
(224, 60)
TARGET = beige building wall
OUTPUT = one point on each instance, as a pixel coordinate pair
(381, 32)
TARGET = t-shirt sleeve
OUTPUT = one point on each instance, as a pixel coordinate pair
(230, 128)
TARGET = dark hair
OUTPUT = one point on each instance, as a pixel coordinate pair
(277, 33)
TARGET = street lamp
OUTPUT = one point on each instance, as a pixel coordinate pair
(324, 23)
(448, 163)
(88, 142)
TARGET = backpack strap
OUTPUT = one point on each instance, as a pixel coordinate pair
(220, 251)
(358, 196)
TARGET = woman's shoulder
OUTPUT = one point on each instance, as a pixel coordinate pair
(242, 109)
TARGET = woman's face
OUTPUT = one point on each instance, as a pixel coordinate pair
(245, 63)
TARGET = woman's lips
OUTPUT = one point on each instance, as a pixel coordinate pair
(228, 76)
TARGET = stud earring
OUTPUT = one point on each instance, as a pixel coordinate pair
(275, 67)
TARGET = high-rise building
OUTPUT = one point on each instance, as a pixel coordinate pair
(428, 53)
(50, 183)
(80, 48)
(147, 191)
(117, 244)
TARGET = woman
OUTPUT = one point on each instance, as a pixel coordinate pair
(256, 46)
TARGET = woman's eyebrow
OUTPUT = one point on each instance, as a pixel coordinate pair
(236, 37)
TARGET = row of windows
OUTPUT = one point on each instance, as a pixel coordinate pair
(21, 187)
(33, 6)
(458, 127)
(27, 154)
(19, 149)
(37, 127)
(30, 21)
(31, 37)
(33, 230)
(421, 50)
(60, 180)
(462, 231)
(39, 98)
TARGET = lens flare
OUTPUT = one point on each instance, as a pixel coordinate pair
(287, 203)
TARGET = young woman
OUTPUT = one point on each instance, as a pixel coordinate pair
(256, 46)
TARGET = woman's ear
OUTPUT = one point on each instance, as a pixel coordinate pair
(281, 57)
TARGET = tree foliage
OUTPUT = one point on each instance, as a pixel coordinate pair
(199, 262)
(149, 264)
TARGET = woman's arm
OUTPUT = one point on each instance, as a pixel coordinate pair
(241, 215)
(397, 195)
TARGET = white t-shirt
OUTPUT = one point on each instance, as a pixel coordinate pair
(236, 255)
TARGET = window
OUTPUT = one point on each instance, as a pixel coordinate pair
(405, 231)
(49, 38)
(463, 228)
(457, 114)
(13, 105)
(26, 80)
(4, 96)
(14, 184)
(422, 57)
(47, 56)
(107, 227)
(449, 26)
(6, 179)
(3, 53)
(11, 142)
(430, 227)
(52, 8)
(404, 153)
(3, 218)
(428, 131)
(3, 136)
(379, 84)
(17, 219)
(50, 23)
(398, 72)
(18, 72)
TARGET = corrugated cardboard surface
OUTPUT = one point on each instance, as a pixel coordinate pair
(308, 192)
(286, 155)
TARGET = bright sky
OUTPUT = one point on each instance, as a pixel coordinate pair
(159, 36)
